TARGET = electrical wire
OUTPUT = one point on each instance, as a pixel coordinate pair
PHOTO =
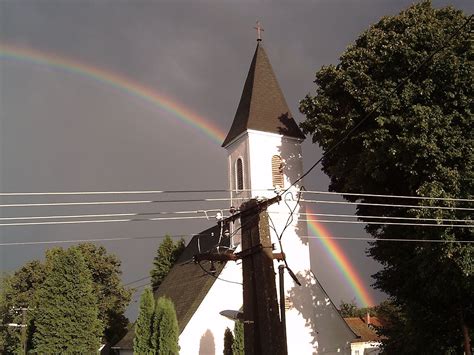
(129, 202)
(135, 281)
(380, 217)
(378, 105)
(103, 239)
(391, 223)
(217, 277)
(109, 215)
(388, 205)
(390, 239)
(124, 192)
(391, 196)
(102, 221)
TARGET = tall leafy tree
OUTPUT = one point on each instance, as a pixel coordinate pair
(66, 312)
(17, 291)
(228, 341)
(165, 328)
(142, 343)
(419, 141)
(166, 255)
(238, 345)
(113, 297)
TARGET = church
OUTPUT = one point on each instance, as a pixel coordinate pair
(264, 158)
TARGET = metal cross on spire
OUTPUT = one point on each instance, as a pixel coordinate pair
(259, 29)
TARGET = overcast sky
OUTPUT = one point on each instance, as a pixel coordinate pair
(61, 131)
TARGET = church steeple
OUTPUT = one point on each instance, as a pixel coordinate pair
(262, 106)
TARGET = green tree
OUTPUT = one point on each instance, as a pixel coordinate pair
(228, 341)
(238, 345)
(19, 288)
(142, 343)
(165, 328)
(65, 310)
(418, 142)
(350, 309)
(17, 291)
(113, 297)
(166, 255)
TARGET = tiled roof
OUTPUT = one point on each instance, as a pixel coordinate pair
(262, 105)
(362, 330)
(186, 284)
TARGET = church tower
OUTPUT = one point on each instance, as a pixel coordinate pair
(265, 158)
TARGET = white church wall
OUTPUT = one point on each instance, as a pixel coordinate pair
(365, 347)
(204, 334)
(313, 324)
(239, 149)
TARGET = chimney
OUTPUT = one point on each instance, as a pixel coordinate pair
(367, 318)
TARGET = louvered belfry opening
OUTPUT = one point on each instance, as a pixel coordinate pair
(239, 175)
(277, 171)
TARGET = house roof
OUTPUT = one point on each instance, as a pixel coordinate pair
(363, 330)
(187, 283)
(262, 105)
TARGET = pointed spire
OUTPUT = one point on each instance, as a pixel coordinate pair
(262, 105)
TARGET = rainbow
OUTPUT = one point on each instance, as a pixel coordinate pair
(342, 262)
(137, 90)
(119, 82)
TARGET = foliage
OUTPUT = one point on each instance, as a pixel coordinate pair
(165, 328)
(142, 343)
(238, 345)
(113, 297)
(418, 142)
(166, 255)
(19, 289)
(350, 309)
(17, 292)
(228, 341)
(65, 310)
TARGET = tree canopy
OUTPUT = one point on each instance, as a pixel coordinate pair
(65, 308)
(417, 140)
(166, 255)
(165, 328)
(144, 325)
(19, 290)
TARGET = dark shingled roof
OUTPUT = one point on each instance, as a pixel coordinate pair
(362, 329)
(186, 284)
(262, 106)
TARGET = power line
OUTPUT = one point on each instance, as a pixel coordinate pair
(378, 105)
(217, 277)
(110, 215)
(113, 239)
(124, 192)
(388, 205)
(391, 223)
(391, 196)
(390, 239)
(102, 221)
(379, 217)
(129, 202)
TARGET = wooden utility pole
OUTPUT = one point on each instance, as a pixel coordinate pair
(263, 331)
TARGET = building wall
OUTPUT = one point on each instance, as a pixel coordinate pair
(365, 347)
(204, 334)
(313, 323)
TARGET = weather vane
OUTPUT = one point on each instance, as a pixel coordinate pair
(259, 29)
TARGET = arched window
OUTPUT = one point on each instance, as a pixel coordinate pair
(239, 175)
(277, 171)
